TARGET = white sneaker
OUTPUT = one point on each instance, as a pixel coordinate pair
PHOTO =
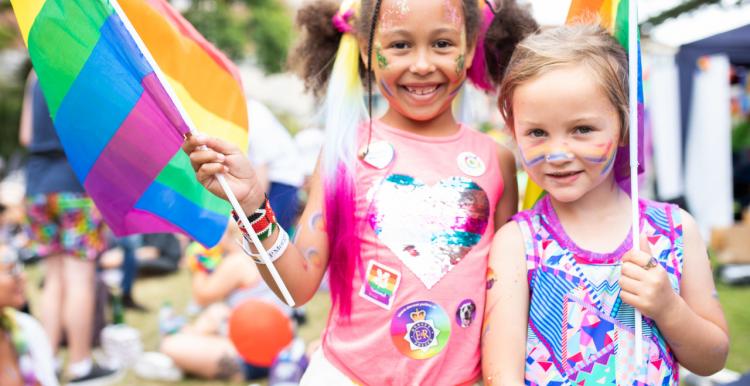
(157, 367)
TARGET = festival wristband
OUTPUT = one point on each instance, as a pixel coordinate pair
(274, 253)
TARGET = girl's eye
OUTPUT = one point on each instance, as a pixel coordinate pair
(443, 44)
(536, 133)
(584, 129)
(400, 45)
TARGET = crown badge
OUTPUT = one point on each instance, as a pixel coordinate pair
(417, 315)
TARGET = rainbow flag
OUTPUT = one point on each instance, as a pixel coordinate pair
(612, 15)
(120, 129)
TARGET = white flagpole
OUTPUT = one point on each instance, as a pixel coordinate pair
(633, 124)
(220, 177)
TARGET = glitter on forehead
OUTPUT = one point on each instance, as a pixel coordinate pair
(451, 13)
(393, 14)
(403, 6)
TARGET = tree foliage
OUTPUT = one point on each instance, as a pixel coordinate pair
(238, 27)
(684, 7)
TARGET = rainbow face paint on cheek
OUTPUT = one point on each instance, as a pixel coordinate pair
(533, 155)
(611, 161)
(598, 153)
(602, 154)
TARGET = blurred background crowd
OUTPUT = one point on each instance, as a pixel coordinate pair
(160, 308)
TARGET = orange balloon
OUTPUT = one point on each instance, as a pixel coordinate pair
(259, 331)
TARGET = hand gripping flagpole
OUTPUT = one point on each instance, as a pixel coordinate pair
(220, 177)
(633, 133)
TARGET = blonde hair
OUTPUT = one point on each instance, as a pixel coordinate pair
(579, 44)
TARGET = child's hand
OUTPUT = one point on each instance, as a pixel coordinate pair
(645, 284)
(221, 157)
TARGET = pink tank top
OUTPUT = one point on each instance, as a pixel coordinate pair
(426, 212)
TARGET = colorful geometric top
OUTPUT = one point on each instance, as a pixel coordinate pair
(579, 330)
(426, 207)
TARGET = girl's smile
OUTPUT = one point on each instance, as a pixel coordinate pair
(418, 65)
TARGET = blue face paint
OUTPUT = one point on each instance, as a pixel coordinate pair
(530, 162)
(559, 156)
(386, 88)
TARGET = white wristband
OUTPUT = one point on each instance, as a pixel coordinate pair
(277, 249)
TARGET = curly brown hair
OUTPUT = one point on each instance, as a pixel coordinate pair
(312, 58)
(510, 25)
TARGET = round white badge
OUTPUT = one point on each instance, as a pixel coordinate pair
(471, 164)
(380, 154)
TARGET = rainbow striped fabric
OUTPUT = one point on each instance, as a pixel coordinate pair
(612, 15)
(121, 131)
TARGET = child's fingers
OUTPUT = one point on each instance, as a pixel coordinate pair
(639, 258)
(209, 170)
(642, 256)
(629, 284)
(201, 157)
(632, 270)
(630, 298)
(221, 146)
(192, 142)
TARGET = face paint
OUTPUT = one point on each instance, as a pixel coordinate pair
(451, 13)
(402, 6)
(316, 222)
(612, 150)
(460, 63)
(458, 88)
(313, 256)
(386, 88)
(393, 14)
(599, 153)
(382, 61)
(559, 156)
(533, 156)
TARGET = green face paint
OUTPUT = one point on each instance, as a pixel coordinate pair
(460, 63)
(382, 61)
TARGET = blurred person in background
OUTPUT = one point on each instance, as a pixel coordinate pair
(25, 354)
(274, 154)
(222, 278)
(65, 230)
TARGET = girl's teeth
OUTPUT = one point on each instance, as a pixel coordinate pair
(421, 91)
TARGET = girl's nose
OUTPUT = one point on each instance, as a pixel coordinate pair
(422, 64)
(559, 156)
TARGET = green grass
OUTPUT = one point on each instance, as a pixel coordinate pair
(735, 301)
(152, 292)
(176, 289)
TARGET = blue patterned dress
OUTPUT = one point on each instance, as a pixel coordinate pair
(579, 331)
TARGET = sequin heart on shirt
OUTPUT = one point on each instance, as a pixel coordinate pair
(429, 228)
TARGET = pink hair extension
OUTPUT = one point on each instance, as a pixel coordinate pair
(343, 238)
(478, 70)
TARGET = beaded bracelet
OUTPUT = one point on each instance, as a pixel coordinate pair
(263, 221)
